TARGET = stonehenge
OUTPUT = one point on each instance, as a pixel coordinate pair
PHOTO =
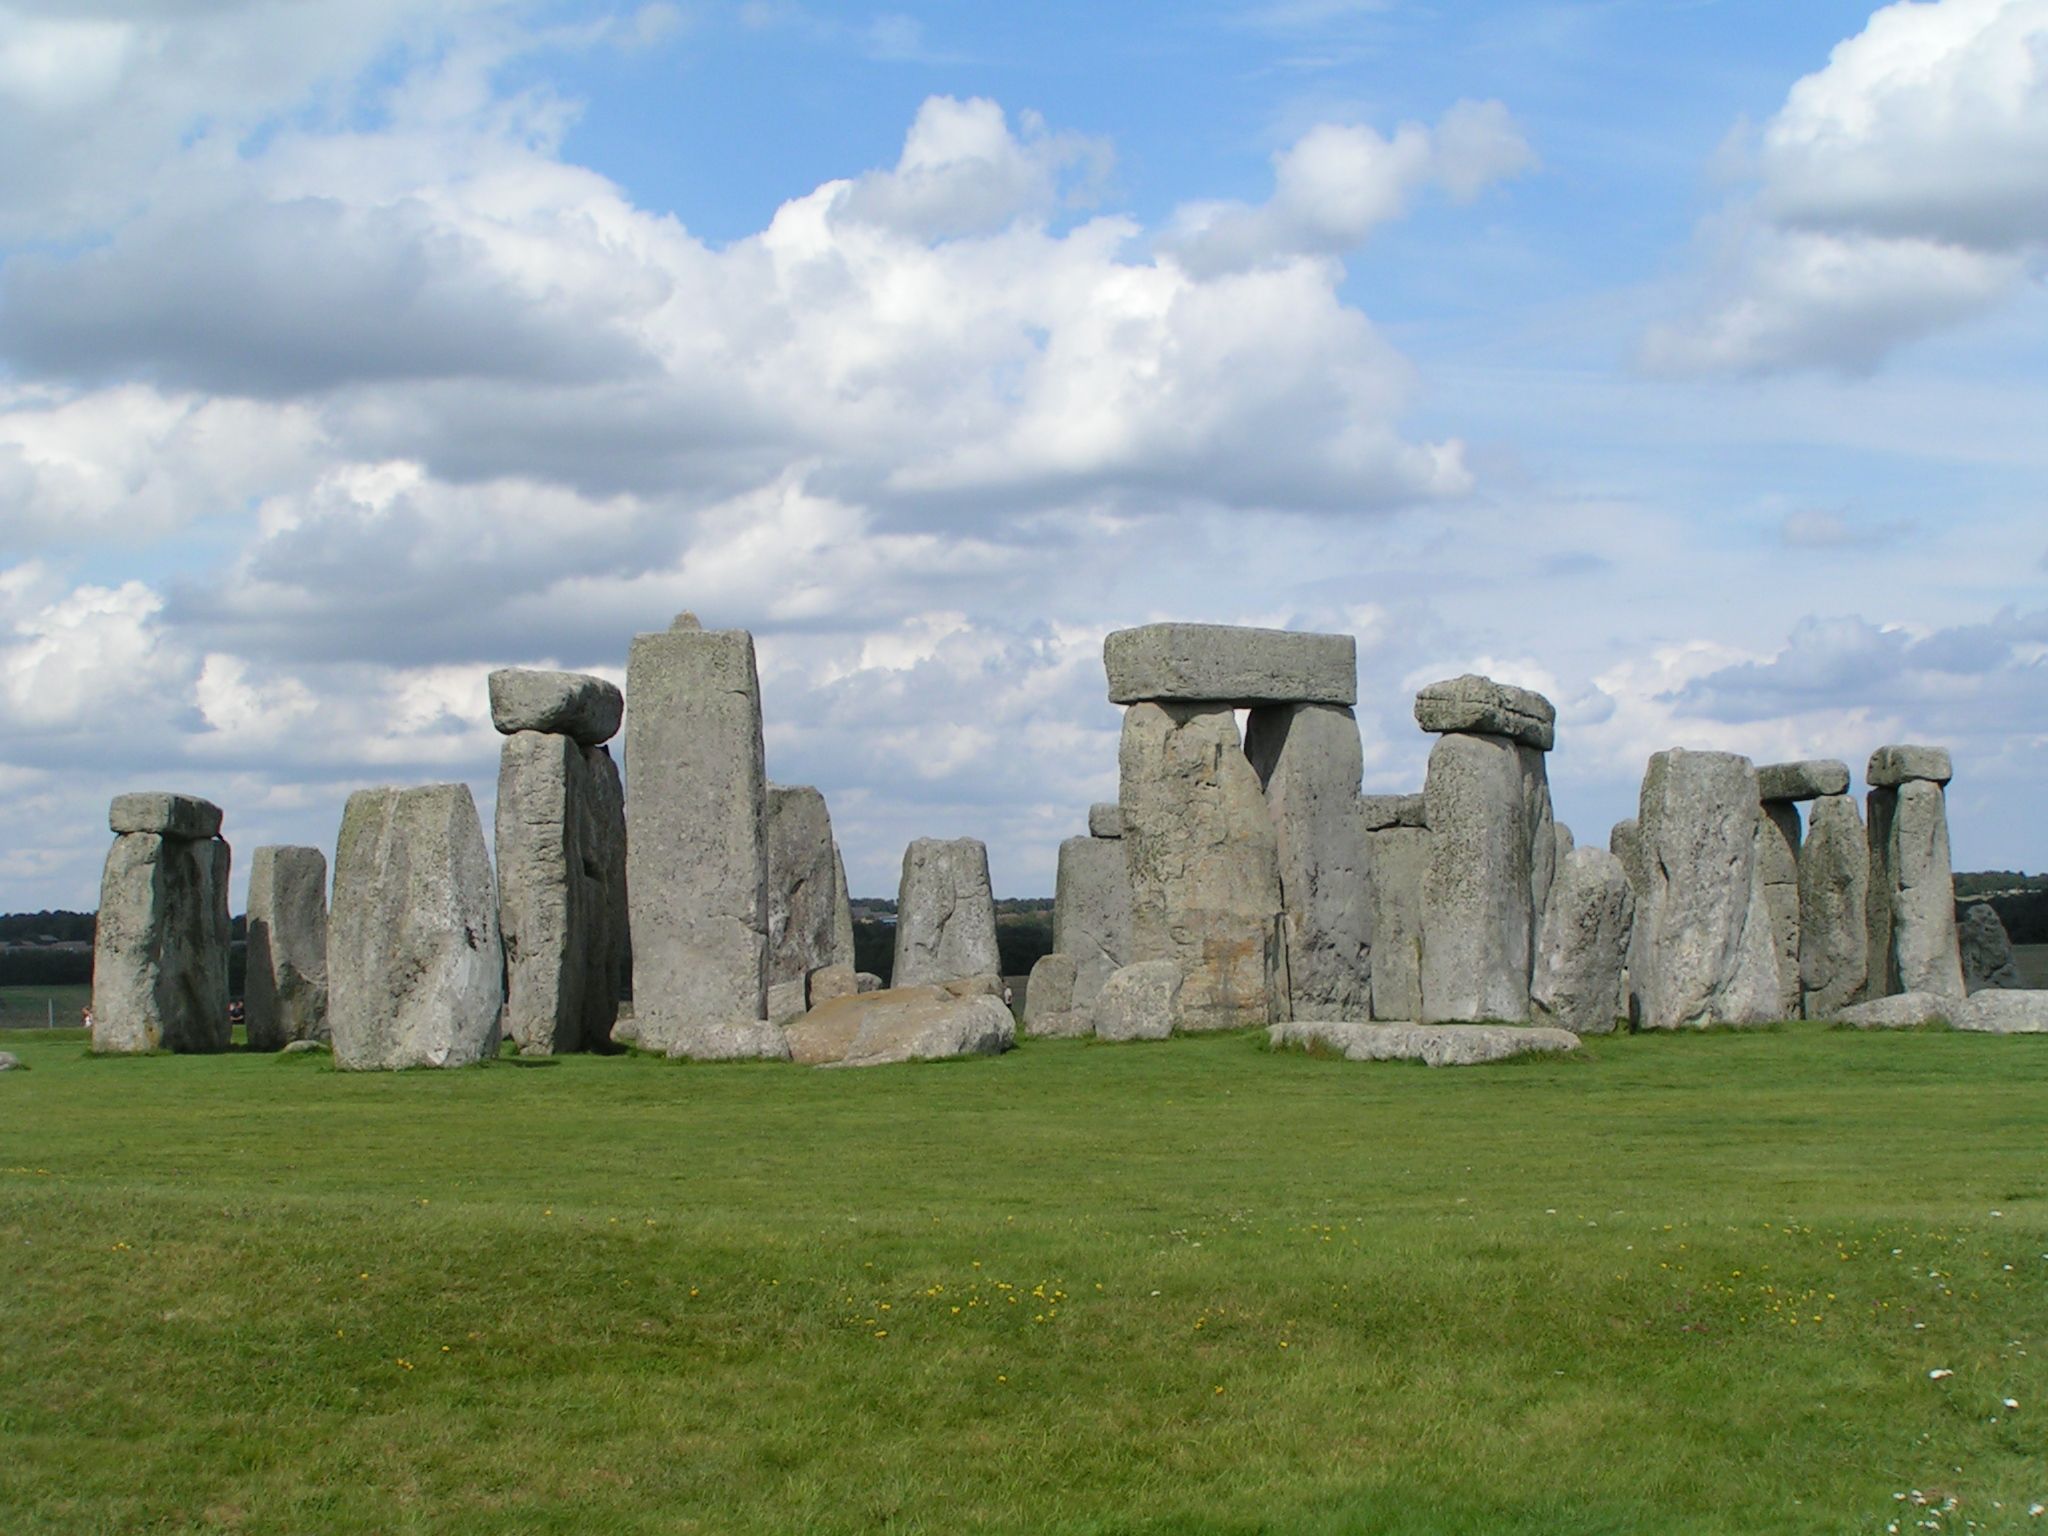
(810, 921)
(1987, 956)
(945, 914)
(1397, 848)
(285, 999)
(160, 951)
(1834, 894)
(1580, 981)
(1912, 915)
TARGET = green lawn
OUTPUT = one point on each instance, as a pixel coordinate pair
(1693, 1284)
(31, 1007)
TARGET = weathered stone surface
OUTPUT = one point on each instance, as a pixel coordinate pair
(829, 983)
(1203, 861)
(1834, 894)
(1777, 854)
(1625, 842)
(945, 914)
(1049, 999)
(1227, 664)
(9, 1062)
(733, 1040)
(1309, 759)
(787, 1000)
(2002, 1011)
(901, 1024)
(285, 996)
(165, 814)
(1707, 956)
(561, 842)
(1544, 848)
(1582, 951)
(1091, 914)
(1400, 859)
(868, 981)
(1808, 779)
(1891, 767)
(1106, 820)
(304, 1047)
(1924, 953)
(1139, 1002)
(160, 950)
(1566, 843)
(626, 1032)
(1477, 908)
(803, 890)
(842, 913)
(415, 965)
(1902, 1010)
(573, 704)
(1987, 951)
(696, 849)
(1380, 812)
(1437, 1045)
(1481, 705)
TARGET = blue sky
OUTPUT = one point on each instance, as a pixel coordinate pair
(1684, 361)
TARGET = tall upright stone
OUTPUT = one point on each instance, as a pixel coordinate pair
(1397, 844)
(1834, 898)
(945, 914)
(1309, 759)
(1625, 842)
(285, 997)
(1988, 961)
(1091, 914)
(1912, 914)
(842, 912)
(803, 896)
(160, 947)
(1707, 956)
(415, 964)
(696, 850)
(1203, 861)
(1777, 853)
(1582, 950)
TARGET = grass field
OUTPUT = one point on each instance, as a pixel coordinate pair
(1774, 1281)
(31, 1007)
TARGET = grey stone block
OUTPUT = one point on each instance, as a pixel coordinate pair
(1436, 1045)
(164, 814)
(1834, 896)
(1091, 913)
(1400, 859)
(1106, 820)
(573, 704)
(804, 910)
(1382, 811)
(1223, 663)
(1139, 1002)
(1477, 893)
(160, 948)
(285, 997)
(1892, 766)
(1988, 961)
(1479, 704)
(1582, 951)
(1777, 852)
(1805, 780)
(945, 914)
(1923, 954)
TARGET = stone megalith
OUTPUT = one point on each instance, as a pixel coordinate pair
(1227, 663)
(842, 913)
(1049, 999)
(1139, 1002)
(1834, 896)
(1924, 955)
(1777, 853)
(696, 849)
(1106, 819)
(1091, 913)
(561, 840)
(945, 914)
(1582, 952)
(1397, 842)
(160, 948)
(1988, 963)
(803, 897)
(1707, 956)
(285, 998)
(1203, 861)
(1625, 842)
(586, 709)
(415, 969)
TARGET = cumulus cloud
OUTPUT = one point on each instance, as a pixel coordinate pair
(1901, 189)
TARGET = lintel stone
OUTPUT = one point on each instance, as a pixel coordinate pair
(165, 814)
(1229, 664)
(1482, 706)
(1805, 780)
(1106, 820)
(1383, 811)
(572, 704)
(1892, 766)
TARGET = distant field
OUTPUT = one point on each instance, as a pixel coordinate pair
(30, 1007)
(2032, 960)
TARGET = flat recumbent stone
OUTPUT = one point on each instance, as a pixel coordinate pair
(1227, 664)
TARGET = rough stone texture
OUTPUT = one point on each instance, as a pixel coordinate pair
(1222, 663)
(1309, 759)
(165, 814)
(573, 704)
(842, 913)
(1834, 894)
(868, 981)
(1707, 955)
(1139, 1002)
(1625, 842)
(803, 891)
(1106, 820)
(1923, 955)
(285, 997)
(2002, 1012)
(1544, 848)
(787, 1000)
(1203, 861)
(830, 983)
(1091, 913)
(1380, 812)
(1777, 854)
(414, 962)
(696, 850)
(9, 1062)
(1437, 1045)
(1805, 780)
(1902, 1010)
(1582, 952)
(1400, 859)
(945, 914)
(1477, 911)
(160, 951)
(900, 1024)
(626, 1032)
(1484, 707)
(1049, 1007)
(561, 841)
(1986, 950)
(1892, 766)
(1565, 843)
(733, 1040)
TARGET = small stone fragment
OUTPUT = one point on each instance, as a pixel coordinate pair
(9, 1062)
(829, 983)
(1436, 1045)
(901, 1024)
(1049, 999)
(2001, 1011)
(573, 704)
(733, 1040)
(1902, 1010)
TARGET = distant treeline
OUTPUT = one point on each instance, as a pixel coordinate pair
(32, 927)
(1977, 882)
(1023, 935)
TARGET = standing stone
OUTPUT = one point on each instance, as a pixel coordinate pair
(415, 966)
(561, 843)
(803, 894)
(1399, 853)
(1923, 955)
(1708, 955)
(1834, 895)
(1582, 954)
(1309, 759)
(1545, 847)
(945, 914)
(1091, 913)
(160, 948)
(1988, 962)
(842, 913)
(696, 853)
(1777, 851)
(1049, 999)
(1478, 888)
(1139, 1002)
(1203, 861)
(285, 998)
(1625, 842)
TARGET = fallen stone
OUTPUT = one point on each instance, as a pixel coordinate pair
(1049, 999)
(1891, 767)
(1479, 704)
(1106, 820)
(1834, 894)
(1986, 950)
(1777, 852)
(415, 965)
(733, 1040)
(626, 1032)
(1477, 911)
(2002, 1012)
(303, 1047)
(160, 947)
(1091, 915)
(1380, 812)
(1437, 1045)
(1138, 1002)
(945, 913)
(285, 996)
(1805, 780)
(165, 814)
(1223, 663)
(1582, 952)
(803, 890)
(1902, 1010)
(586, 709)
(1400, 859)
(832, 982)
(900, 1024)
(9, 1062)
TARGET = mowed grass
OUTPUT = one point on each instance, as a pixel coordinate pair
(34, 1006)
(1711, 1283)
